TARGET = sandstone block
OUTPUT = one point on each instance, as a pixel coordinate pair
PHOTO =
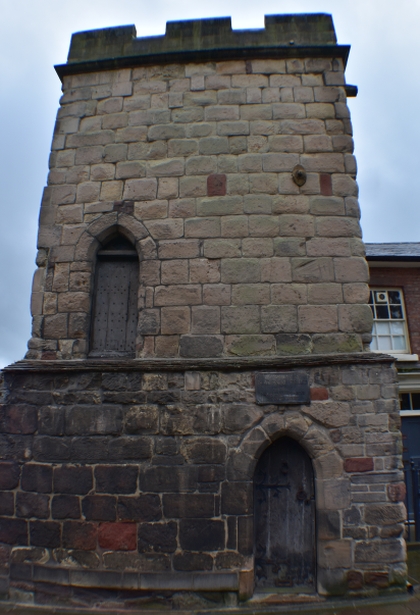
(292, 344)
(313, 270)
(280, 162)
(182, 208)
(335, 554)
(343, 185)
(167, 345)
(329, 293)
(234, 226)
(147, 151)
(336, 494)
(174, 271)
(376, 551)
(200, 99)
(175, 320)
(296, 225)
(182, 147)
(257, 144)
(237, 183)
(202, 227)
(285, 143)
(249, 163)
(62, 195)
(222, 248)
(318, 318)
(275, 270)
(130, 169)
(257, 247)
(284, 294)
(270, 95)
(201, 165)
(178, 295)
(151, 210)
(197, 346)
(193, 186)
(140, 189)
(219, 206)
(289, 246)
(256, 112)
(204, 271)
(169, 228)
(233, 128)
(205, 320)
(276, 319)
(326, 206)
(322, 246)
(187, 248)
(263, 226)
(165, 168)
(249, 81)
(250, 294)
(301, 126)
(240, 319)
(357, 318)
(216, 294)
(245, 270)
(288, 111)
(263, 127)
(266, 183)
(351, 270)
(250, 345)
(303, 94)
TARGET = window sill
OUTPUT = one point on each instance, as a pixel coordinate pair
(405, 357)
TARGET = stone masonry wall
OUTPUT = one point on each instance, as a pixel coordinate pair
(136, 481)
(193, 163)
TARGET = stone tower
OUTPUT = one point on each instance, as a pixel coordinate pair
(196, 414)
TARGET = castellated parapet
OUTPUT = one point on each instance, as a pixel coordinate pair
(200, 326)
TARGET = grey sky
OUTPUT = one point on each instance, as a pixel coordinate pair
(34, 36)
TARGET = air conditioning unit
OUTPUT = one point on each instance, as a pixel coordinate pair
(381, 296)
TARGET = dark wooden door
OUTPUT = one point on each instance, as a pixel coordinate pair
(115, 307)
(284, 517)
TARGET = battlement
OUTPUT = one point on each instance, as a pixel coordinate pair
(283, 36)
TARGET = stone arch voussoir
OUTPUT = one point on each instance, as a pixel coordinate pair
(312, 437)
(108, 224)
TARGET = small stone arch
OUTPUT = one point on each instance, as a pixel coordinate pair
(101, 229)
(98, 233)
(330, 486)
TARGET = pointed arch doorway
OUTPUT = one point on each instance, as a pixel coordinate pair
(284, 518)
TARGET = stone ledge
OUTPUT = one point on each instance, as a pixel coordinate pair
(180, 581)
(177, 364)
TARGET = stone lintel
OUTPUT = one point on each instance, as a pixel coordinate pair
(218, 364)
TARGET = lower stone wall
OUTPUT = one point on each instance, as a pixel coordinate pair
(138, 477)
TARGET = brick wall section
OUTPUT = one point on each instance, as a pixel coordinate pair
(408, 280)
(194, 163)
(135, 473)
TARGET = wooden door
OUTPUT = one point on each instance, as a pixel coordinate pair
(114, 317)
(284, 517)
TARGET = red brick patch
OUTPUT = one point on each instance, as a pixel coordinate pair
(216, 184)
(117, 536)
(319, 394)
(358, 464)
(397, 492)
(325, 184)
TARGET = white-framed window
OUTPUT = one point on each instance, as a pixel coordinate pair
(389, 333)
